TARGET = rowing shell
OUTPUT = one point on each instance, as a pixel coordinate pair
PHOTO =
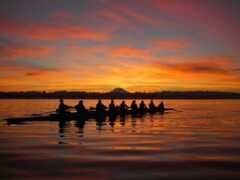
(72, 116)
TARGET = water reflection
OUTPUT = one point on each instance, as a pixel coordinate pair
(122, 120)
(80, 125)
(112, 120)
(62, 123)
(133, 124)
(101, 123)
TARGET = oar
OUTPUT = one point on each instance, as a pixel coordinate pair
(47, 112)
(171, 109)
(94, 108)
(42, 113)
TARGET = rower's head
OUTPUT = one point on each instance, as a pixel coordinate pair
(142, 102)
(100, 101)
(123, 102)
(151, 101)
(80, 102)
(61, 101)
(112, 101)
(134, 101)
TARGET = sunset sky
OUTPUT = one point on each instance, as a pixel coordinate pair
(139, 45)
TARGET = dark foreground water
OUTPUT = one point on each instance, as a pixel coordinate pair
(200, 142)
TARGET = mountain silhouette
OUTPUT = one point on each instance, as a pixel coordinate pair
(119, 91)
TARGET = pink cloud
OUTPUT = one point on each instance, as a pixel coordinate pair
(205, 15)
(140, 17)
(62, 16)
(129, 52)
(114, 17)
(125, 14)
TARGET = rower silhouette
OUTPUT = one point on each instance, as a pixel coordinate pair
(112, 112)
(100, 114)
(161, 107)
(100, 107)
(123, 108)
(80, 108)
(112, 107)
(152, 107)
(62, 107)
(134, 108)
(142, 108)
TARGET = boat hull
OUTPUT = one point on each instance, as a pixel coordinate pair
(74, 116)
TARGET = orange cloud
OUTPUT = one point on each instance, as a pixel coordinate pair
(171, 44)
(208, 73)
(50, 32)
(89, 50)
(129, 52)
(14, 52)
(217, 73)
(23, 70)
(171, 73)
(148, 52)
(209, 68)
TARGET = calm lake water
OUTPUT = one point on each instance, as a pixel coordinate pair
(202, 140)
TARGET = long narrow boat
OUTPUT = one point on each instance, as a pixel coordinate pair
(71, 116)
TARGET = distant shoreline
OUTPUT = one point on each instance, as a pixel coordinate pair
(120, 95)
(121, 98)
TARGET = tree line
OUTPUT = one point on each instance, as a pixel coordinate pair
(115, 95)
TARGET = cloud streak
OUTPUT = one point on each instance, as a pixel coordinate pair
(21, 51)
(50, 32)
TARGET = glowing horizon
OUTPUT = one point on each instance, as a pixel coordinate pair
(138, 45)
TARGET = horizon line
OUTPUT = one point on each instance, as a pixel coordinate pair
(111, 91)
